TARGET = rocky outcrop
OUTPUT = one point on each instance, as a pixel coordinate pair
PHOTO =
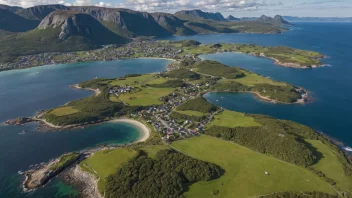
(19, 121)
(127, 23)
(73, 23)
(40, 12)
(199, 15)
(14, 23)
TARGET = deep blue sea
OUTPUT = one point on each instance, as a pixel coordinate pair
(331, 86)
(24, 92)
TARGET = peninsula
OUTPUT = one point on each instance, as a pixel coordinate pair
(176, 50)
(185, 131)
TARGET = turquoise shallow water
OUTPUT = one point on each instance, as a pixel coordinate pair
(24, 92)
(331, 86)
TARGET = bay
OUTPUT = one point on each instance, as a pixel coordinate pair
(24, 92)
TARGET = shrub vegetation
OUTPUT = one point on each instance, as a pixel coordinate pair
(168, 175)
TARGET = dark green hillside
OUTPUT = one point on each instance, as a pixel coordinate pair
(198, 104)
(280, 139)
(14, 23)
(183, 74)
(214, 68)
(169, 175)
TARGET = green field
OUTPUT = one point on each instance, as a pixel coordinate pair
(63, 111)
(106, 162)
(232, 119)
(132, 80)
(330, 165)
(193, 113)
(252, 79)
(145, 97)
(245, 171)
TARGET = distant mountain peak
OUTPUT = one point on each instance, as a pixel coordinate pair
(232, 18)
(199, 15)
(278, 20)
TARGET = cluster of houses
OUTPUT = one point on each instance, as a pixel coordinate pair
(169, 127)
(120, 90)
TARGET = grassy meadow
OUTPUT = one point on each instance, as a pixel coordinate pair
(331, 166)
(106, 162)
(245, 171)
(232, 119)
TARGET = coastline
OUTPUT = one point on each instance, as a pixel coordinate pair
(262, 98)
(97, 92)
(144, 130)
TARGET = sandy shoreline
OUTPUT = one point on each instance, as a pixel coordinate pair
(96, 91)
(143, 128)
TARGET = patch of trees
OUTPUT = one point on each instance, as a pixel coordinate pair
(169, 84)
(132, 75)
(94, 84)
(322, 175)
(214, 68)
(181, 116)
(189, 43)
(183, 74)
(286, 94)
(169, 175)
(304, 132)
(268, 141)
(299, 195)
(198, 104)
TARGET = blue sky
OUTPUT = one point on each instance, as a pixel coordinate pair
(238, 8)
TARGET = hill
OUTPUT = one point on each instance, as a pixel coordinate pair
(127, 23)
(14, 23)
(199, 15)
(59, 31)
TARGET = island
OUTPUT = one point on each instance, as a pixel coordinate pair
(256, 155)
(175, 50)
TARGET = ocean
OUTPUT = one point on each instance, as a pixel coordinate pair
(24, 92)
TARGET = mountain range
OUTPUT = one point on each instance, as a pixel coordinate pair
(60, 28)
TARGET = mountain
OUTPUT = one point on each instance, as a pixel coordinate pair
(317, 19)
(277, 20)
(60, 31)
(74, 24)
(14, 23)
(127, 23)
(232, 18)
(191, 15)
(172, 24)
(10, 8)
(41, 11)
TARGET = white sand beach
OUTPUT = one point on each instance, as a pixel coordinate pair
(143, 128)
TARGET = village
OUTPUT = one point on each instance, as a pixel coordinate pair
(159, 117)
(137, 48)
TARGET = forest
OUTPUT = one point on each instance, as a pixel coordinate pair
(168, 175)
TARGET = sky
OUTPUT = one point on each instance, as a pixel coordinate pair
(237, 8)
